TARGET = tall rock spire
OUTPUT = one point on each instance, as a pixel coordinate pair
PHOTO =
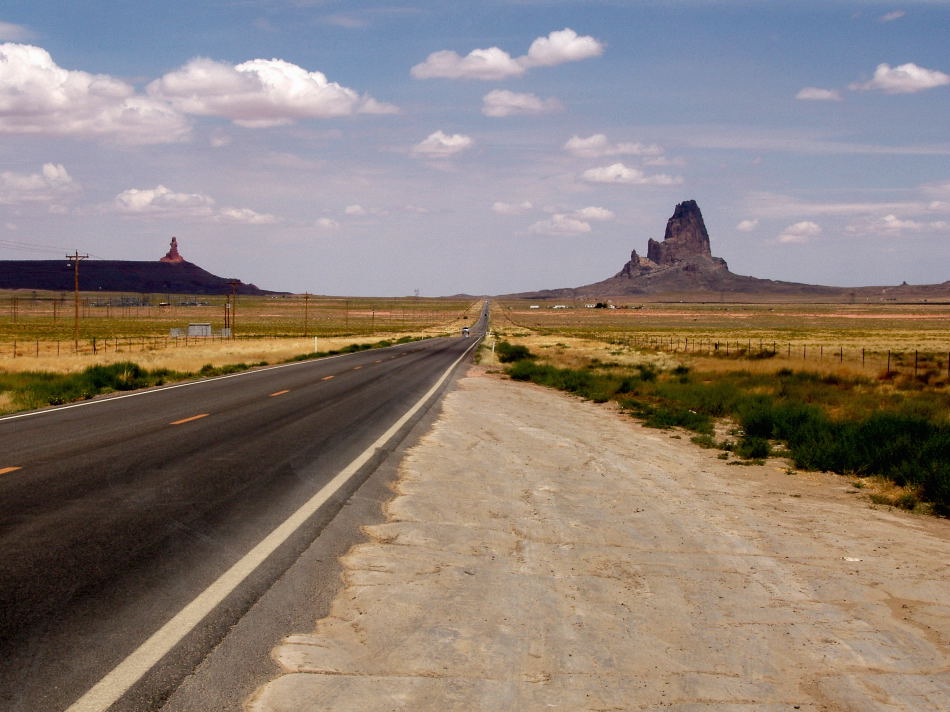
(172, 255)
(685, 236)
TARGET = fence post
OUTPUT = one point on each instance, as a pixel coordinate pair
(888, 361)
(14, 348)
(862, 357)
(841, 354)
(915, 363)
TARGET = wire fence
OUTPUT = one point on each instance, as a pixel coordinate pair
(889, 361)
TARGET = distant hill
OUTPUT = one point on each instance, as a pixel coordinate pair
(683, 265)
(170, 275)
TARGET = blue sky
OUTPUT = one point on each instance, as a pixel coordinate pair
(377, 148)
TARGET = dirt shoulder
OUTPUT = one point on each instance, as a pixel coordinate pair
(547, 553)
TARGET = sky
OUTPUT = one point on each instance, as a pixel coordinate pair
(377, 148)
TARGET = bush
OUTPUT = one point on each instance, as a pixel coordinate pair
(509, 353)
(753, 448)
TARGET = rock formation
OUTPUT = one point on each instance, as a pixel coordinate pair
(685, 245)
(172, 255)
(680, 265)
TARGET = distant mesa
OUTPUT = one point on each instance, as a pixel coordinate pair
(171, 274)
(682, 265)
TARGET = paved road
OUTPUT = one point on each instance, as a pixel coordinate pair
(122, 511)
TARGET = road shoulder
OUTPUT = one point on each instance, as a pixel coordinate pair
(548, 553)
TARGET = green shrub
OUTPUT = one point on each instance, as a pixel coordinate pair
(753, 448)
(509, 353)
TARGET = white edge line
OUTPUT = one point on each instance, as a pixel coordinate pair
(148, 391)
(117, 682)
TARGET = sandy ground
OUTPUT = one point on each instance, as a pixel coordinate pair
(544, 553)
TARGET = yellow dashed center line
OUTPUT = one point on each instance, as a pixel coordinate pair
(326, 378)
(188, 420)
(379, 360)
(279, 393)
(357, 368)
(5, 470)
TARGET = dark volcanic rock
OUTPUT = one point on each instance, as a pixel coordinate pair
(685, 236)
(682, 263)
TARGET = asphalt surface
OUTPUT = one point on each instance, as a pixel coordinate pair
(121, 511)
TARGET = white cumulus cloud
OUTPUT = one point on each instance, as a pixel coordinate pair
(327, 224)
(502, 102)
(493, 63)
(161, 202)
(441, 145)
(817, 94)
(620, 173)
(354, 209)
(561, 46)
(594, 212)
(52, 183)
(39, 97)
(597, 146)
(511, 208)
(747, 225)
(560, 224)
(488, 64)
(260, 93)
(903, 79)
(573, 223)
(800, 232)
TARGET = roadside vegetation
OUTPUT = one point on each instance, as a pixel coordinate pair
(26, 390)
(863, 426)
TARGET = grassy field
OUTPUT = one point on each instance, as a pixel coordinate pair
(125, 343)
(37, 329)
(869, 338)
(887, 428)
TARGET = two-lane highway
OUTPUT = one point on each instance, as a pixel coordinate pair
(135, 530)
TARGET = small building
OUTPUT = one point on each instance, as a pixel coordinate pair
(199, 330)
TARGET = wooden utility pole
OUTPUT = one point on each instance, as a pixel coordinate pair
(75, 259)
(306, 312)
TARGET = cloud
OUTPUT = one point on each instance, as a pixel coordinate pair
(245, 216)
(502, 102)
(488, 64)
(620, 173)
(354, 210)
(904, 79)
(52, 183)
(160, 202)
(747, 225)
(891, 16)
(574, 223)
(816, 94)
(327, 223)
(561, 46)
(14, 33)
(560, 224)
(442, 145)
(800, 232)
(511, 208)
(39, 97)
(597, 146)
(494, 63)
(594, 213)
(260, 93)
(892, 225)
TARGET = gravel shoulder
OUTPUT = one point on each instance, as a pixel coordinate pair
(547, 553)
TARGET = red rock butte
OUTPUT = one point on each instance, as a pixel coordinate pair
(172, 255)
